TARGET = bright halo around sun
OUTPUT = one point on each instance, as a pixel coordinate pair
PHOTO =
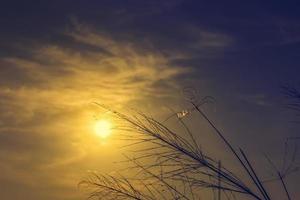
(103, 128)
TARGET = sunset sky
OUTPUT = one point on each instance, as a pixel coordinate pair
(57, 57)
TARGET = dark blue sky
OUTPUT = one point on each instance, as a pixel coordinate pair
(61, 54)
(262, 38)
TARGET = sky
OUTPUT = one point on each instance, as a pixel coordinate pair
(58, 57)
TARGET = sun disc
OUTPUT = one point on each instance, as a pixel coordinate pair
(103, 128)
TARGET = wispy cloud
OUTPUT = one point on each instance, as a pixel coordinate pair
(45, 100)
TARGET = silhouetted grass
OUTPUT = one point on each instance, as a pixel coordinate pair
(173, 166)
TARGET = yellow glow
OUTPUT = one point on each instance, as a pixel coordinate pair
(103, 128)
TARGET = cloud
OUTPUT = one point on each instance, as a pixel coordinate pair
(208, 40)
(47, 89)
(256, 99)
(46, 101)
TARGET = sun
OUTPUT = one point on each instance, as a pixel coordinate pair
(103, 128)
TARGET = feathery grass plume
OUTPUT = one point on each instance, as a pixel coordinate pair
(170, 165)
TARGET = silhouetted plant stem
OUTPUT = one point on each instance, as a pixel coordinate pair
(219, 182)
(284, 186)
(229, 146)
(258, 181)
